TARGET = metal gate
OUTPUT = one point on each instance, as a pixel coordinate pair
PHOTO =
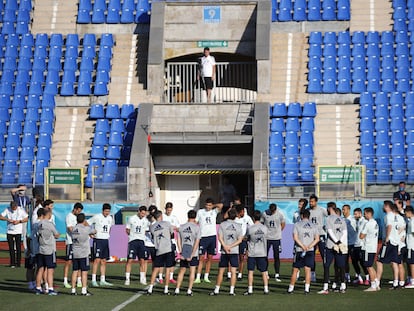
(234, 82)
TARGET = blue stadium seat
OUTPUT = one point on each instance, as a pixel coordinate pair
(294, 110)
(13, 140)
(117, 125)
(398, 149)
(276, 178)
(315, 62)
(47, 114)
(96, 112)
(344, 8)
(382, 137)
(72, 39)
(367, 150)
(30, 126)
(104, 64)
(306, 137)
(274, 138)
(344, 37)
(71, 51)
(102, 125)
(112, 111)
(315, 37)
(315, 85)
(15, 127)
(113, 16)
(115, 138)
(110, 167)
(127, 13)
(401, 36)
(101, 89)
(100, 139)
(29, 140)
(5, 101)
(299, 10)
(70, 63)
(276, 150)
(410, 162)
(17, 114)
(329, 85)
(67, 89)
(291, 137)
(46, 127)
(397, 110)
(400, 24)
(329, 50)
(366, 124)
(306, 150)
(314, 10)
(344, 86)
(344, 49)
(292, 150)
(12, 153)
(27, 153)
(329, 37)
(22, 76)
(107, 39)
(43, 153)
(358, 37)
(410, 149)
(329, 10)
(88, 52)
(382, 149)
(387, 49)
(315, 49)
(54, 64)
(373, 85)
(368, 161)
(403, 85)
(309, 109)
(397, 123)
(127, 111)
(45, 140)
(285, 10)
(84, 16)
(97, 152)
(307, 124)
(19, 101)
(113, 152)
(381, 123)
(48, 101)
(292, 124)
(383, 176)
(366, 137)
(85, 5)
(84, 88)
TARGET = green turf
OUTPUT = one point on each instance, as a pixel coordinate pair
(14, 295)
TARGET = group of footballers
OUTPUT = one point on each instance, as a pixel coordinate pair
(339, 236)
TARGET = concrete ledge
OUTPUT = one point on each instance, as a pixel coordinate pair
(310, 26)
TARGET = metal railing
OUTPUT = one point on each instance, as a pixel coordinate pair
(234, 82)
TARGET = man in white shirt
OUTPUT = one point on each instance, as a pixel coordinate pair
(208, 72)
(409, 213)
(369, 237)
(71, 222)
(136, 228)
(15, 217)
(173, 220)
(391, 247)
(206, 218)
(102, 224)
(245, 221)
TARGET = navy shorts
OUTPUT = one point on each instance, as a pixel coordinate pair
(136, 248)
(208, 245)
(243, 248)
(150, 252)
(80, 264)
(300, 261)
(100, 248)
(330, 255)
(368, 259)
(403, 254)
(388, 254)
(69, 252)
(207, 83)
(410, 257)
(187, 264)
(259, 262)
(165, 260)
(275, 244)
(229, 259)
(30, 262)
(46, 261)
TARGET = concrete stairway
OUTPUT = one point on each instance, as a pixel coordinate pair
(129, 74)
(288, 72)
(72, 137)
(371, 15)
(55, 16)
(336, 134)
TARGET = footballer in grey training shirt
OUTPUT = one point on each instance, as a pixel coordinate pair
(256, 237)
(161, 231)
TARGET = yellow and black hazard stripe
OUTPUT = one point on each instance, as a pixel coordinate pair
(200, 172)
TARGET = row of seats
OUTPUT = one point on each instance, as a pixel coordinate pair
(310, 10)
(113, 12)
(280, 110)
(112, 142)
(291, 144)
(15, 16)
(62, 66)
(374, 62)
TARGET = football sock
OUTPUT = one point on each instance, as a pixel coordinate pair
(360, 278)
(325, 286)
(84, 290)
(367, 277)
(277, 275)
(291, 288)
(231, 289)
(142, 275)
(171, 275)
(79, 279)
(240, 275)
(250, 289)
(205, 276)
(65, 280)
(160, 276)
(307, 287)
(266, 288)
(198, 276)
(177, 291)
(217, 289)
(127, 275)
(50, 289)
(374, 284)
(189, 291)
(93, 277)
(166, 289)
(395, 283)
(229, 274)
(150, 288)
(73, 290)
(401, 283)
(343, 286)
(102, 278)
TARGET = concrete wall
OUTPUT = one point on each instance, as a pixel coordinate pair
(184, 26)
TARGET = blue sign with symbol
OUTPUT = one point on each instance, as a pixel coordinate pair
(212, 14)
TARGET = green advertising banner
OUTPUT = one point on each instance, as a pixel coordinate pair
(64, 176)
(340, 174)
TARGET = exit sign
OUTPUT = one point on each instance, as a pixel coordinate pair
(213, 44)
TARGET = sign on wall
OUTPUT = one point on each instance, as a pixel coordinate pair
(64, 184)
(211, 14)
